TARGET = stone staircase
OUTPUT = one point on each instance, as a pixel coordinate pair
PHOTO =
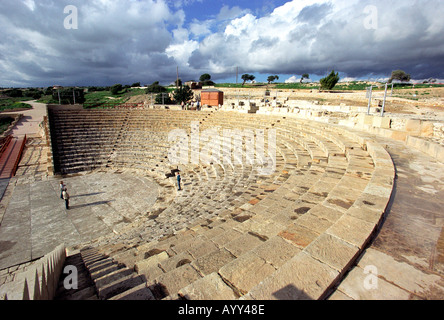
(233, 233)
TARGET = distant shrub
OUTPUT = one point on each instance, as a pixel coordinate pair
(115, 89)
(155, 88)
(330, 81)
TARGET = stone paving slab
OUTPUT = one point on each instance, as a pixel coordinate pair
(379, 276)
(405, 260)
(211, 287)
(36, 219)
(295, 279)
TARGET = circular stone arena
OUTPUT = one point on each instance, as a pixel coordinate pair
(100, 204)
(234, 231)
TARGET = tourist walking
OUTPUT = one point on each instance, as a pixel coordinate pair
(178, 181)
(66, 198)
(62, 187)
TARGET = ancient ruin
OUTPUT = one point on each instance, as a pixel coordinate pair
(353, 209)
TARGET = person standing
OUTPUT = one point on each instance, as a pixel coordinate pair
(66, 198)
(178, 181)
(62, 187)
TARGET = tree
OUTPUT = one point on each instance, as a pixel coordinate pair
(183, 94)
(205, 77)
(330, 81)
(206, 80)
(155, 88)
(247, 77)
(48, 91)
(305, 76)
(399, 75)
(115, 89)
(163, 98)
(272, 79)
(14, 93)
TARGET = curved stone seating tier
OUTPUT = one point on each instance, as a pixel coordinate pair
(233, 233)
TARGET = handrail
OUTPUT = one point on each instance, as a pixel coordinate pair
(6, 142)
(19, 156)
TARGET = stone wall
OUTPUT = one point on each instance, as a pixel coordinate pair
(36, 281)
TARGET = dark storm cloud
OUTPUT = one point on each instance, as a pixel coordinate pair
(145, 40)
(116, 41)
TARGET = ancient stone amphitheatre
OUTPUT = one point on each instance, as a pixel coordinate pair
(353, 210)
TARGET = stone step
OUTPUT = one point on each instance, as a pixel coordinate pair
(112, 280)
(85, 286)
(232, 233)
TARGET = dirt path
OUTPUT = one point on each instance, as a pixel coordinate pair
(30, 123)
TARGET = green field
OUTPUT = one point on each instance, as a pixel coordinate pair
(100, 99)
(13, 104)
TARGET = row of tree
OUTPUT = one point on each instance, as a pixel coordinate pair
(181, 94)
(327, 83)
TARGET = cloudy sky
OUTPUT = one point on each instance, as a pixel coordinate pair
(103, 42)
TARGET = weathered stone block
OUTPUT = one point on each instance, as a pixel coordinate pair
(172, 282)
(276, 251)
(332, 251)
(246, 272)
(213, 262)
(352, 230)
(243, 244)
(381, 122)
(140, 292)
(413, 127)
(299, 235)
(302, 278)
(150, 262)
(313, 222)
(211, 287)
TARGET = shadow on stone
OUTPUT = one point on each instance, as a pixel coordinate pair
(98, 203)
(290, 292)
(87, 195)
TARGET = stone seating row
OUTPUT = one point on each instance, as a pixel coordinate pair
(261, 225)
(219, 169)
(212, 280)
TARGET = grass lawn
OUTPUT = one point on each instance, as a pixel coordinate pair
(5, 123)
(13, 104)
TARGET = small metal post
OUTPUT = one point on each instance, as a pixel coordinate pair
(370, 91)
(385, 97)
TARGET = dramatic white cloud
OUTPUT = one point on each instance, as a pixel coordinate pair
(292, 79)
(315, 36)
